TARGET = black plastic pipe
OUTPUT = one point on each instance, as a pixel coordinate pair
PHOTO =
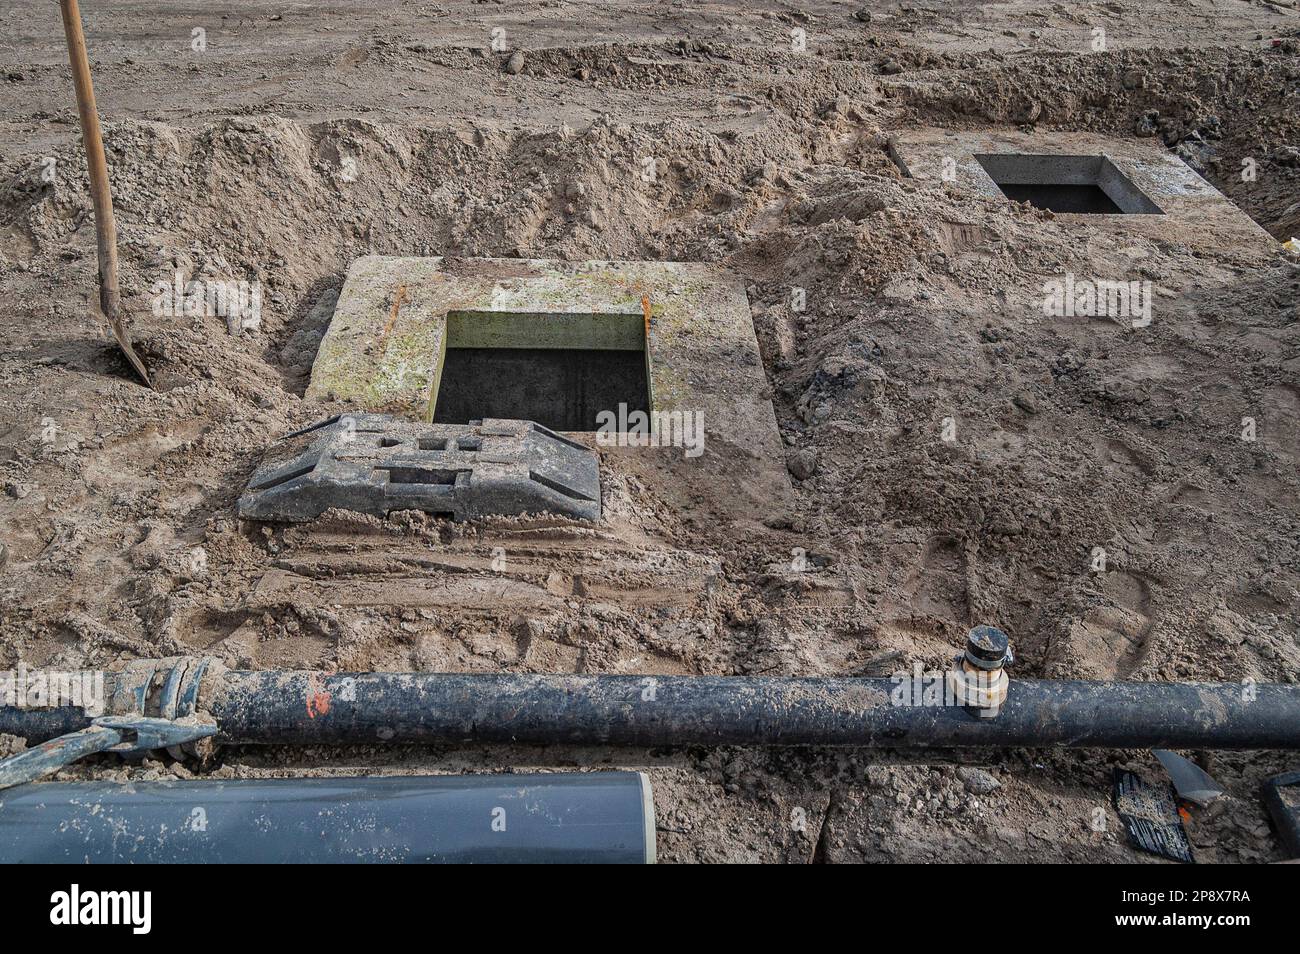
(303, 707)
(706, 710)
(598, 817)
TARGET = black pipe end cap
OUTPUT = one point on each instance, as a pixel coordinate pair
(987, 647)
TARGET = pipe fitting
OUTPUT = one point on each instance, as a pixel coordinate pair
(978, 678)
(988, 648)
(166, 689)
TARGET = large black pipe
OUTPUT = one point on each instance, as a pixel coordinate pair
(301, 707)
(597, 817)
(706, 710)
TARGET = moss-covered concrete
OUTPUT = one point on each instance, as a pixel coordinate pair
(396, 317)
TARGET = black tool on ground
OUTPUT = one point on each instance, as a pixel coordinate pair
(1150, 816)
(595, 817)
(1282, 798)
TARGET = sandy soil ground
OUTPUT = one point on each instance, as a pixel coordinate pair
(304, 135)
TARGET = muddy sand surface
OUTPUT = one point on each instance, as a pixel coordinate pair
(957, 456)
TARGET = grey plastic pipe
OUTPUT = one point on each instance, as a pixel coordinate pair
(598, 817)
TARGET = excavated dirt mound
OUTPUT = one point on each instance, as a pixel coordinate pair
(118, 537)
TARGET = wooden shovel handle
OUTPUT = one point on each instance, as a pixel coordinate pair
(110, 296)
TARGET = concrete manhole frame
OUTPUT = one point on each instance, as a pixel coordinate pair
(384, 347)
(1175, 189)
(1052, 170)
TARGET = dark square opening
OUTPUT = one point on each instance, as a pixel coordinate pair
(559, 370)
(1088, 199)
(560, 388)
(1088, 185)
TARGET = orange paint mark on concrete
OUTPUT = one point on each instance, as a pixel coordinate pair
(392, 314)
(645, 311)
